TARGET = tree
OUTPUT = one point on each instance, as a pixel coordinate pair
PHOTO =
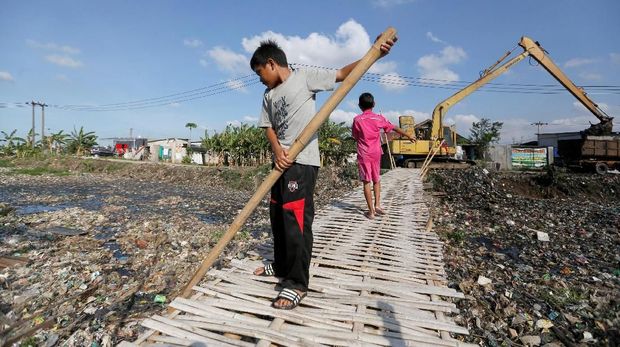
(56, 140)
(81, 141)
(484, 133)
(11, 142)
(191, 126)
(335, 143)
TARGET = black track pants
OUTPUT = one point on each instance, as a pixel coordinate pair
(292, 212)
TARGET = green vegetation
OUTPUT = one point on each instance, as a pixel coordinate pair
(81, 141)
(335, 143)
(217, 235)
(190, 126)
(38, 171)
(243, 145)
(78, 142)
(247, 145)
(243, 234)
(6, 163)
(483, 134)
(561, 297)
(457, 236)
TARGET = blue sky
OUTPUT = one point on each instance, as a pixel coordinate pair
(167, 63)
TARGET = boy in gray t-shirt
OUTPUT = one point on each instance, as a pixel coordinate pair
(288, 106)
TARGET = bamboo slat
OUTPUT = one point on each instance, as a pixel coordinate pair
(373, 283)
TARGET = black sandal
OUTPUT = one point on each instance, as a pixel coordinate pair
(292, 296)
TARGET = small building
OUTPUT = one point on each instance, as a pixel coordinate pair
(552, 139)
(172, 150)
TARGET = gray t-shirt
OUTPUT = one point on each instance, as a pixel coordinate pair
(289, 107)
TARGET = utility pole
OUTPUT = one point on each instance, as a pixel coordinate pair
(539, 124)
(43, 105)
(32, 129)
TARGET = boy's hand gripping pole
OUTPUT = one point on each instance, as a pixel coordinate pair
(313, 126)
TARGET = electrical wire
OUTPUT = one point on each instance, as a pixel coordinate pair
(383, 79)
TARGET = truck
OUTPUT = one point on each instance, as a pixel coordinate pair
(591, 153)
(441, 138)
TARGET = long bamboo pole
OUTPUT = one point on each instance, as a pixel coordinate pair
(428, 164)
(354, 76)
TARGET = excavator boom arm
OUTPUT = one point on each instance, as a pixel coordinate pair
(444, 106)
(533, 49)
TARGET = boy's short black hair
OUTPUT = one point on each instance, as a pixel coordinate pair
(268, 49)
(367, 101)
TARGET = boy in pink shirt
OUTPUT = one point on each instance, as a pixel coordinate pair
(367, 132)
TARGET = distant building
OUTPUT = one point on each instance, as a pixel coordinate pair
(551, 139)
(171, 150)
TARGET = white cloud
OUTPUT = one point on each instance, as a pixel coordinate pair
(5, 76)
(516, 129)
(192, 43)
(570, 122)
(435, 67)
(342, 116)
(591, 76)
(250, 119)
(615, 58)
(234, 123)
(390, 3)
(204, 62)
(434, 38)
(64, 60)
(576, 62)
(350, 43)
(61, 77)
(462, 122)
(174, 104)
(230, 61)
(392, 115)
(53, 47)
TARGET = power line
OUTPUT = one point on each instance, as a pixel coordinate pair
(251, 79)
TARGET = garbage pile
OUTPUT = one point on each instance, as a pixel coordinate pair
(537, 255)
(97, 250)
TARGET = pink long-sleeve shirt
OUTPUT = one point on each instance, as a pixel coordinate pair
(366, 131)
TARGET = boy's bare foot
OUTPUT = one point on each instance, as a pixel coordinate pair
(369, 215)
(379, 211)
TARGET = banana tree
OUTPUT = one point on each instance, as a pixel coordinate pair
(81, 141)
(56, 141)
(335, 142)
(11, 142)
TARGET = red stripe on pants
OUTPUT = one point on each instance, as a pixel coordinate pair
(297, 207)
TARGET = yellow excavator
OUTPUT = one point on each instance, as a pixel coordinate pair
(442, 139)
